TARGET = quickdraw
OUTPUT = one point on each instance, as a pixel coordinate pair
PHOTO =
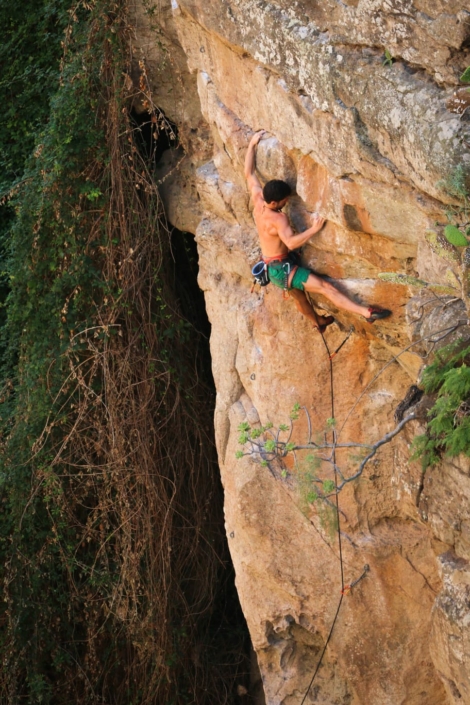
(333, 354)
(347, 588)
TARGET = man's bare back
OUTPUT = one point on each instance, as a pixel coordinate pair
(268, 223)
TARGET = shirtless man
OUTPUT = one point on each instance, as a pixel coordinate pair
(277, 240)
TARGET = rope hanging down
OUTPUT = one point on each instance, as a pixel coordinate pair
(345, 589)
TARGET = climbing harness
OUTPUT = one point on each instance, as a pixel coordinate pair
(260, 270)
(287, 266)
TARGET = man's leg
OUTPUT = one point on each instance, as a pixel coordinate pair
(303, 305)
(315, 285)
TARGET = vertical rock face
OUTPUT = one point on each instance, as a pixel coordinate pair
(370, 142)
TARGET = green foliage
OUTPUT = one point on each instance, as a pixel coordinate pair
(388, 60)
(29, 55)
(328, 519)
(448, 429)
(314, 491)
(328, 486)
(307, 472)
(455, 236)
(465, 77)
(458, 215)
(105, 468)
(455, 183)
(311, 496)
(294, 414)
(312, 487)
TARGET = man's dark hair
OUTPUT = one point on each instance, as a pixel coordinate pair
(276, 190)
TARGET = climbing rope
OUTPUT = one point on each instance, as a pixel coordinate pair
(345, 589)
(324, 648)
(333, 454)
(333, 354)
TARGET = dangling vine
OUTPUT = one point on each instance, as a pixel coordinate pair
(111, 542)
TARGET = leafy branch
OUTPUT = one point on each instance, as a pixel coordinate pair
(448, 428)
(267, 445)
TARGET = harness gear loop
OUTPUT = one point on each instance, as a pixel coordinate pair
(287, 270)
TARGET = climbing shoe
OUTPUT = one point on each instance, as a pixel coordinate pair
(376, 314)
(324, 322)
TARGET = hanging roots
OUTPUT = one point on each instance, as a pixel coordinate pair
(124, 472)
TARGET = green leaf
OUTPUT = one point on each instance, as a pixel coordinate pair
(388, 61)
(270, 446)
(239, 454)
(311, 497)
(328, 486)
(455, 236)
(294, 414)
(465, 77)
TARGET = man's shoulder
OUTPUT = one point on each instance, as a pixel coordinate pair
(280, 217)
(256, 192)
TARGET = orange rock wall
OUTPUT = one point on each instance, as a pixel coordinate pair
(368, 145)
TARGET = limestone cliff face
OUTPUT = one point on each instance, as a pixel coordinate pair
(369, 145)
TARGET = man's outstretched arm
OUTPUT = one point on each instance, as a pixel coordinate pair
(250, 175)
(295, 240)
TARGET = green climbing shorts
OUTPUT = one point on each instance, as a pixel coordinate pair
(277, 275)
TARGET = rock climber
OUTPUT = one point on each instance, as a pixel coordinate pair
(279, 242)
